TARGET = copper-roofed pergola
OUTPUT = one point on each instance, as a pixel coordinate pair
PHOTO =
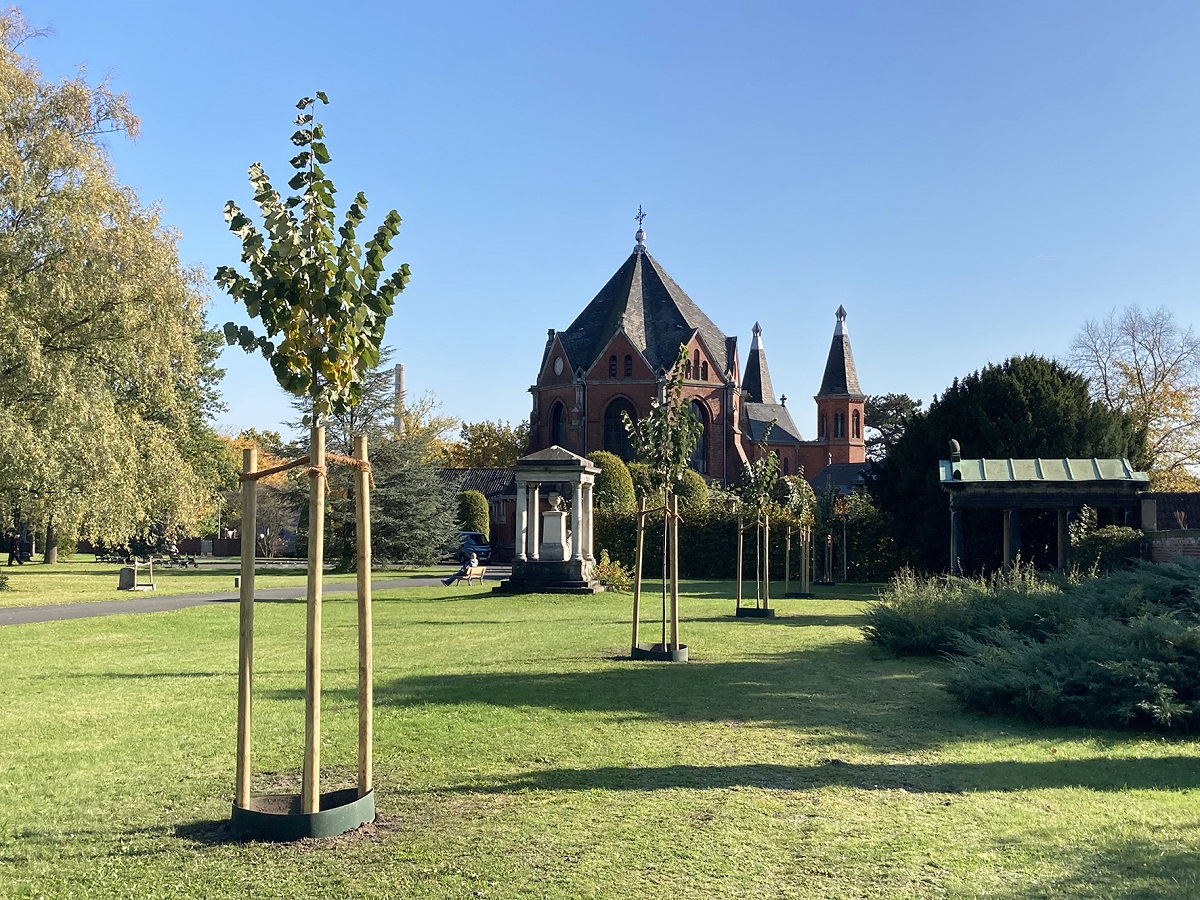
(1010, 485)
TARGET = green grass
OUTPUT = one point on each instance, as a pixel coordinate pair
(518, 755)
(79, 581)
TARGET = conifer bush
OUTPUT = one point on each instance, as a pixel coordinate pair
(614, 486)
(473, 512)
(1117, 651)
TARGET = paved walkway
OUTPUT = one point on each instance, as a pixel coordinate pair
(148, 602)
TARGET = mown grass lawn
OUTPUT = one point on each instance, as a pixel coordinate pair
(518, 755)
(84, 580)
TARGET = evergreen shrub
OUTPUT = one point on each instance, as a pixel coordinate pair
(1108, 548)
(473, 512)
(614, 486)
(1120, 651)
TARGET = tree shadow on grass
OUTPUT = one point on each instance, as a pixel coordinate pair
(842, 693)
(784, 616)
(1149, 773)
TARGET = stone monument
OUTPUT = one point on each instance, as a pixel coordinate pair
(550, 558)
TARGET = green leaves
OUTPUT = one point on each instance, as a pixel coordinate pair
(323, 311)
(759, 477)
(665, 439)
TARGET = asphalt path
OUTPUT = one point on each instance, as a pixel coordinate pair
(148, 602)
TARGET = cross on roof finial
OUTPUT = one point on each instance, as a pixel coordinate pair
(640, 216)
(640, 237)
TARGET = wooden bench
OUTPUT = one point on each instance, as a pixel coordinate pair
(473, 572)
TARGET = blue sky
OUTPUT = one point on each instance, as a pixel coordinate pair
(970, 180)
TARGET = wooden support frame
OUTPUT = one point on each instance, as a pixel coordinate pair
(246, 817)
(637, 571)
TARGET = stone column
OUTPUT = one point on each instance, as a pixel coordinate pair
(522, 541)
(588, 522)
(1064, 539)
(577, 521)
(535, 525)
(1012, 537)
(956, 541)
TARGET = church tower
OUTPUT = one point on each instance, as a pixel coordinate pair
(841, 402)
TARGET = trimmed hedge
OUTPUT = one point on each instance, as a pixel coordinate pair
(707, 544)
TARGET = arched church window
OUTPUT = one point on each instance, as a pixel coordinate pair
(856, 424)
(612, 367)
(786, 462)
(558, 423)
(704, 371)
(696, 363)
(823, 429)
(839, 425)
(628, 366)
(699, 460)
(616, 439)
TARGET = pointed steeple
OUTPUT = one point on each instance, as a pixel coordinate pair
(841, 379)
(756, 384)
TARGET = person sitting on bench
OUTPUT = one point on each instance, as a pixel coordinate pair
(471, 563)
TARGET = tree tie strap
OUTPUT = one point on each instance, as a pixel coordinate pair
(263, 473)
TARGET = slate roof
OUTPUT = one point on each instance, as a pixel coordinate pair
(845, 478)
(756, 383)
(841, 378)
(655, 312)
(759, 416)
(491, 481)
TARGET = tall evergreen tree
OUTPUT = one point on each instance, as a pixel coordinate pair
(1026, 407)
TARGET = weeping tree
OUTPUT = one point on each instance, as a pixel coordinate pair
(663, 442)
(323, 304)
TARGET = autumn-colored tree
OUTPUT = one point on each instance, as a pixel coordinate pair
(1146, 364)
(107, 369)
(486, 444)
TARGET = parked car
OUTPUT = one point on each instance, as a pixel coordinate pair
(473, 542)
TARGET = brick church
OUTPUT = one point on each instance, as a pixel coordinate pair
(617, 356)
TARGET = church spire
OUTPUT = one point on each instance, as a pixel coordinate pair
(756, 384)
(640, 237)
(841, 378)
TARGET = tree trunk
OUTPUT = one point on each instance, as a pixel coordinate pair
(51, 553)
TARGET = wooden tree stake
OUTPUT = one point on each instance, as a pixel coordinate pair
(366, 699)
(637, 571)
(766, 590)
(310, 788)
(739, 562)
(246, 629)
(787, 560)
(674, 573)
